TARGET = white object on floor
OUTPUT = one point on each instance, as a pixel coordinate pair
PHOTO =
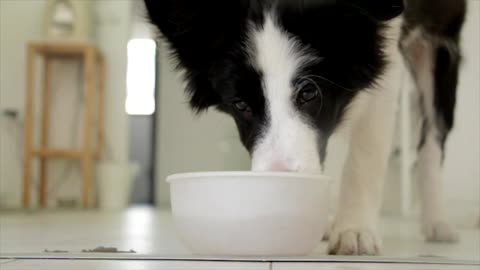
(263, 213)
(114, 184)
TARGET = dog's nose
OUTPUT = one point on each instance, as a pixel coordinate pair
(274, 164)
(280, 166)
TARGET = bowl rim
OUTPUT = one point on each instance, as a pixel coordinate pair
(215, 174)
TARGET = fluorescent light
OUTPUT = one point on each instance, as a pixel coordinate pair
(141, 77)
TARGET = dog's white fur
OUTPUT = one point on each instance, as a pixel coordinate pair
(428, 171)
(370, 121)
(290, 143)
(279, 57)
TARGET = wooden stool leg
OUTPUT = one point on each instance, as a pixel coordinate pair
(101, 95)
(42, 196)
(86, 174)
(87, 153)
(27, 135)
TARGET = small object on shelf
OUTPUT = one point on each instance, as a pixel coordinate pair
(68, 20)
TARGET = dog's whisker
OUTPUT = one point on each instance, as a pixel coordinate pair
(330, 82)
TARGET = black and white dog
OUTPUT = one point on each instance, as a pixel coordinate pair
(294, 73)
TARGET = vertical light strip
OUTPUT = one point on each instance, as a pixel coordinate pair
(141, 77)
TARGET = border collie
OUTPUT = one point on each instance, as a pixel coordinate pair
(293, 73)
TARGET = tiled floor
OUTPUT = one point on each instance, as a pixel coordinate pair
(130, 264)
(150, 233)
(177, 265)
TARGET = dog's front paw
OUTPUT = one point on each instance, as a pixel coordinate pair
(354, 242)
(439, 232)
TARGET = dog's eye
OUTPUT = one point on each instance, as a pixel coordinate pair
(241, 106)
(307, 94)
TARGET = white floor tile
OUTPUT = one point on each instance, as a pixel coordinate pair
(131, 265)
(369, 266)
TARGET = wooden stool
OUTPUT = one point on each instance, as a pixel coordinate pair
(90, 58)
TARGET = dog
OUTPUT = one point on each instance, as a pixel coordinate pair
(292, 74)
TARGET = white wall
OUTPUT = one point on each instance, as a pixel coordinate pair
(113, 21)
(20, 22)
(13, 36)
(462, 162)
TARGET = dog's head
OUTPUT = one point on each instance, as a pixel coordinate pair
(284, 70)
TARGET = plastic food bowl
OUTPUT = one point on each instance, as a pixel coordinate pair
(250, 213)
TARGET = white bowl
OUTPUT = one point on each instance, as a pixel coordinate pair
(250, 213)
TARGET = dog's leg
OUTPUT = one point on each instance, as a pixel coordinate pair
(434, 68)
(371, 118)
(354, 230)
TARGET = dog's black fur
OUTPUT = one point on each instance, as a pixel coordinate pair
(208, 38)
(441, 22)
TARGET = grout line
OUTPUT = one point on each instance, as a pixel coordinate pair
(327, 259)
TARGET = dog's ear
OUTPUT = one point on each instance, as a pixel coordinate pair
(199, 34)
(379, 10)
(195, 29)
